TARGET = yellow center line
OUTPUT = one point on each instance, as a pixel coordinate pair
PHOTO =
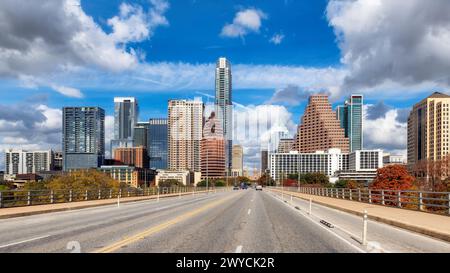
(132, 239)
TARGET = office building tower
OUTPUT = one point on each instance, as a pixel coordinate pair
(350, 116)
(27, 162)
(213, 149)
(83, 137)
(319, 129)
(224, 105)
(185, 127)
(126, 115)
(428, 129)
(135, 156)
(237, 160)
(264, 161)
(141, 135)
(157, 143)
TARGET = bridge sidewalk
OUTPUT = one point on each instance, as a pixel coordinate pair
(433, 225)
(40, 209)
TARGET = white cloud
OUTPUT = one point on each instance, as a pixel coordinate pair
(277, 38)
(387, 131)
(68, 91)
(164, 76)
(255, 126)
(244, 22)
(36, 48)
(389, 44)
(29, 126)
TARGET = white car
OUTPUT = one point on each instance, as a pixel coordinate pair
(258, 188)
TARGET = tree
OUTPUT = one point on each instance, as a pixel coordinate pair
(314, 178)
(293, 176)
(4, 188)
(431, 173)
(393, 177)
(347, 184)
(83, 180)
(243, 179)
(266, 180)
(172, 183)
(290, 183)
(219, 183)
(212, 183)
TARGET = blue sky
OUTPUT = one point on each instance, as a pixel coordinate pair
(281, 52)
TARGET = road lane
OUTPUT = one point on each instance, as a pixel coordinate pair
(381, 237)
(270, 227)
(244, 221)
(93, 228)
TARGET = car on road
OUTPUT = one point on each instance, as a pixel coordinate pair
(259, 188)
(235, 188)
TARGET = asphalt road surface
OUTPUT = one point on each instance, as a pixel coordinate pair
(223, 222)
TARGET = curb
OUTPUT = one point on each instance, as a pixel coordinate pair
(424, 231)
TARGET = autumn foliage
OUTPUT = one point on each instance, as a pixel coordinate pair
(394, 177)
(290, 183)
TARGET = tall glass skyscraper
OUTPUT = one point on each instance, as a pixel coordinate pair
(83, 137)
(224, 105)
(126, 115)
(157, 143)
(350, 116)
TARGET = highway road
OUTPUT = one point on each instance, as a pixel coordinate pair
(244, 221)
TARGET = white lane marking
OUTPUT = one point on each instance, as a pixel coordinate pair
(238, 249)
(24, 241)
(249, 211)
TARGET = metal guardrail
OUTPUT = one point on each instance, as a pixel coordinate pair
(19, 198)
(428, 201)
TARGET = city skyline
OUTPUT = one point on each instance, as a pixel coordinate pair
(276, 64)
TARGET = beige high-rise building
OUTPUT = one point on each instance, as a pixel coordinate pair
(319, 129)
(428, 129)
(185, 123)
(238, 160)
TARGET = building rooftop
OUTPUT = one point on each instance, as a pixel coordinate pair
(439, 95)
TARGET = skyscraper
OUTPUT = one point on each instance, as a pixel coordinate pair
(213, 149)
(157, 143)
(141, 135)
(83, 137)
(350, 116)
(238, 160)
(264, 161)
(126, 115)
(185, 125)
(319, 129)
(224, 105)
(428, 129)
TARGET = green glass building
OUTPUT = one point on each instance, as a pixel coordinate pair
(350, 116)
